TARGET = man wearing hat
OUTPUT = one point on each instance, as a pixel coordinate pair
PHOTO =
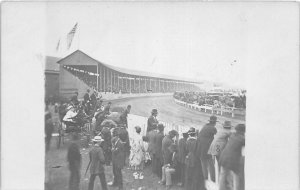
(157, 150)
(205, 138)
(152, 121)
(97, 161)
(123, 116)
(182, 153)
(194, 178)
(232, 161)
(86, 96)
(166, 143)
(74, 159)
(220, 141)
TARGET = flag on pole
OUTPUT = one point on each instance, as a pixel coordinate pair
(71, 36)
(57, 46)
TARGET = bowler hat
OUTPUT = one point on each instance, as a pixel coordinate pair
(227, 124)
(213, 118)
(154, 111)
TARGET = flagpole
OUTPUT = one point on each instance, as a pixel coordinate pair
(78, 35)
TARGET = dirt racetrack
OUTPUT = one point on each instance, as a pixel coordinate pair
(169, 111)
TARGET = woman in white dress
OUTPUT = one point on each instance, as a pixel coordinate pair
(136, 157)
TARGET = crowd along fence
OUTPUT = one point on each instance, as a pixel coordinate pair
(206, 107)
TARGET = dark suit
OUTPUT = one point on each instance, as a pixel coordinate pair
(182, 153)
(96, 168)
(118, 160)
(167, 154)
(205, 138)
(157, 153)
(152, 123)
(86, 97)
(106, 145)
(74, 159)
(123, 118)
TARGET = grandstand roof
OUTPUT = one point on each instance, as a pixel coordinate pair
(127, 71)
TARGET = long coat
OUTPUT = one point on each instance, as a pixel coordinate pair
(151, 136)
(118, 152)
(158, 138)
(194, 179)
(167, 154)
(219, 142)
(182, 150)
(97, 160)
(231, 156)
(204, 140)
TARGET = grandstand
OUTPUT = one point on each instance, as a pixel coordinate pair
(78, 72)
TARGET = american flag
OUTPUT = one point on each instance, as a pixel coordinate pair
(71, 36)
(58, 43)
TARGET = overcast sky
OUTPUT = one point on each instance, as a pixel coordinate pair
(206, 41)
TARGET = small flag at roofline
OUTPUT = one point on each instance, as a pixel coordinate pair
(71, 36)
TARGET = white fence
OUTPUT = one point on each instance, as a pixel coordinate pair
(212, 109)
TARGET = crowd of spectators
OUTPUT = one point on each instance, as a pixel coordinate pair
(217, 100)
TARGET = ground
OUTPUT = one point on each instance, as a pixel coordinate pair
(57, 172)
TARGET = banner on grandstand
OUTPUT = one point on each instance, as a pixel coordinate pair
(71, 36)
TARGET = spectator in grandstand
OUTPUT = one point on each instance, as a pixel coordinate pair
(123, 116)
(182, 153)
(220, 141)
(232, 162)
(97, 161)
(194, 179)
(205, 138)
(86, 97)
(171, 168)
(136, 157)
(48, 129)
(74, 159)
(157, 150)
(152, 121)
(74, 99)
(118, 159)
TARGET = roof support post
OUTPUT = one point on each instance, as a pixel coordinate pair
(97, 88)
(139, 85)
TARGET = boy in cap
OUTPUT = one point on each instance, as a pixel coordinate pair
(97, 161)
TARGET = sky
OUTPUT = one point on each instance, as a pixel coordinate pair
(192, 40)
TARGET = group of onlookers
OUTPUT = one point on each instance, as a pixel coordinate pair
(189, 161)
(192, 160)
(218, 101)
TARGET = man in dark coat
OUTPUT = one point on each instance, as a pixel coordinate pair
(118, 159)
(106, 145)
(74, 159)
(151, 136)
(157, 154)
(93, 99)
(182, 153)
(205, 138)
(231, 160)
(194, 179)
(123, 116)
(74, 99)
(49, 128)
(97, 161)
(152, 121)
(166, 143)
(86, 96)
